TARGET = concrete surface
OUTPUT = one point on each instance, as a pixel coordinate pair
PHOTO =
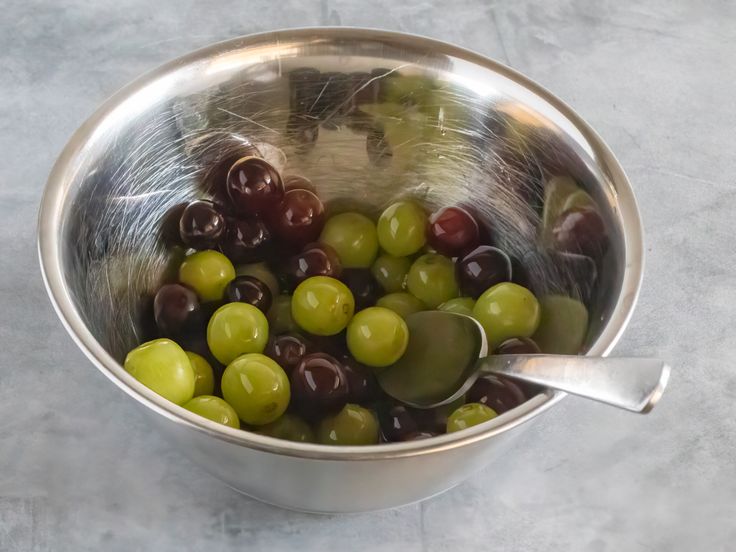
(79, 470)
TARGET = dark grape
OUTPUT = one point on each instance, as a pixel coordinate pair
(296, 182)
(248, 289)
(247, 240)
(254, 185)
(496, 392)
(287, 350)
(481, 269)
(316, 259)
(453, 231)
(319, 385)
(214, 182)
(299, 218)
(518, 346)
(176, 309)
(361, 381)
(398, 424)
(363, 286)
(580, 230)
(201, 225)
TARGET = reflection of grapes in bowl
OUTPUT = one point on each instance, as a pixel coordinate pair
(264, 213)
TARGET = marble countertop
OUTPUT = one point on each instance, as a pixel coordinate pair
(79, 469)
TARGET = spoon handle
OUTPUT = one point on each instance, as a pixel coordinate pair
(634, 384)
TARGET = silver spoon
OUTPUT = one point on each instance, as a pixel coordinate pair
(447, 352)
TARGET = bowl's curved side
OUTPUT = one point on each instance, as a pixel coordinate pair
(64, 175)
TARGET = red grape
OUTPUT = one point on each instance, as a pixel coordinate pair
(299, 218)
(453, 231)
(254, 185)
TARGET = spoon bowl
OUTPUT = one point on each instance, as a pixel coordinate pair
(431, 373)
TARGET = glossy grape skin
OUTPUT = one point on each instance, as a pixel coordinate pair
(215, 409)
(316, 259)
(201, 225)
(401, 229)
(204, 377)
(431, 279)
(398, 424)
(207, 273)
(500, 394)
(353, 425)
(319, 385)
(263, 273)
(469, 415)
(322, 305)
(236, 329)
(518, 346)
(162, 366)
(390, 272)
(377, 337)
(401, 303)
(299, 218)
(279, 315)
(215, 180)
(482, 268)
(287, 350)
(459, 305)
(361, 284)
(248, 289)
(580, 230)
(247, 240)
(254, 185)
(353, 236)
(452, 231)
(507, 310)
(297, 182)
(362, 384)
(257, 388)
(289, 428)
(176, 310)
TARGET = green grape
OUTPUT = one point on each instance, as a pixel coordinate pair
(390, 272)
(263, 273)
(322, 305)
(236, 329)
(208, 273)
(507, 310)
(290, 428)
(279, 316)
(204, 378)
(401, 303)
(459, 305)
(353, 237)
(257, 388)
(164, 367)
(353, 425)
(377, 337)
(469, 415)
(563, 325)
(215, 409)
(401, 229)
(432, 280)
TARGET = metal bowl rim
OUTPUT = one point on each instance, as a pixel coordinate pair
(49, 220)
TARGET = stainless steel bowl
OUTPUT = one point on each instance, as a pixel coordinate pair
(302, 96)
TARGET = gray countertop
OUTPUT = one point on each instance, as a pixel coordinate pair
(80, 470)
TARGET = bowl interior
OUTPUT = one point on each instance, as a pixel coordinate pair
(369, 117)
